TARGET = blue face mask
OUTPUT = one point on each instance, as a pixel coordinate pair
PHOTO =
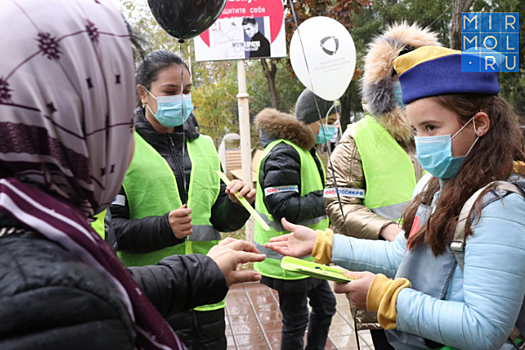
(435, 154)
(326, 132)
(399, 94)
(172, 110)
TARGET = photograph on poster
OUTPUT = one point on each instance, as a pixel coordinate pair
(245, 30)
(255, 42)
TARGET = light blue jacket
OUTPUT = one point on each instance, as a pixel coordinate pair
(482, 301)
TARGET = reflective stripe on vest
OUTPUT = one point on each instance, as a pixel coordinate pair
(310, 181)
(277, 226)
(392, 212)
(151, 190)
(389, 181)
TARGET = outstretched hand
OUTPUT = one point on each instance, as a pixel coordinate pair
(231, 252)
(300, 242)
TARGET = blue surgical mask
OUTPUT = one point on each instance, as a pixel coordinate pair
(172, 110)
(399, 94)
(326, 132)
(435, 154)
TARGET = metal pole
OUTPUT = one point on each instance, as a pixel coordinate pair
(244, 128)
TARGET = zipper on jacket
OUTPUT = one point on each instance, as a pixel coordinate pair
(180, 170)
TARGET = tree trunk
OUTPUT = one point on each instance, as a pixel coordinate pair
(270, 72)
(458, 6)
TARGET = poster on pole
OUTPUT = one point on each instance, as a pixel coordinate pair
(246, 29)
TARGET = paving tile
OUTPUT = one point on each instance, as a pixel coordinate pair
(265, 298)
(338, 319)
(272, 326)
(344, 341)
(254, 321)
(266, 307)
(230, 341)
(246, 328)
(270, 316)
(330, 345)
(241, 309)
(274, 337)
(340, 329)
(276, 346)
(255, 347)
(243, 318)
(250, 339)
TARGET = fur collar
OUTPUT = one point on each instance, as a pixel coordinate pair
(376, 85)
(274, 125)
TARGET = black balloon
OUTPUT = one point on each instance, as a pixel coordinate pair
(185, 19)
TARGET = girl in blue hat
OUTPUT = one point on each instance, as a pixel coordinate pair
(458, 266)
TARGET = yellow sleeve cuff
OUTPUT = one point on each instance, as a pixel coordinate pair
(382, 297)
(519, 167)
(322, 251)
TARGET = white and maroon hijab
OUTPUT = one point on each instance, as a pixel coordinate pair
(66, 123)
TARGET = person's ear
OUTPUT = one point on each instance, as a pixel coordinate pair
(141, 90)
(482, 122)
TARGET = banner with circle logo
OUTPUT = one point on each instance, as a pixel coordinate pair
(322, 54)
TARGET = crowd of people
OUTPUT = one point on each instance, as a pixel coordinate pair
(427, 213)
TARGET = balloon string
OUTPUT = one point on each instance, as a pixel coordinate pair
(327, 142)
(181, 41)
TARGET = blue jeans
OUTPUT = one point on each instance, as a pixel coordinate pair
(293, 298)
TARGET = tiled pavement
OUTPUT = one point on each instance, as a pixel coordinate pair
(253, 321)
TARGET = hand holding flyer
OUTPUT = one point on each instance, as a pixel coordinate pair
(245, 204)
(331, 273)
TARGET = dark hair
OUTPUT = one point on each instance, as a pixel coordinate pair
(153, 63)
(249, 20)
(491, 159)
(156, 61)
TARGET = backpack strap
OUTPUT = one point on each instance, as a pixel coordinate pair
(457, 246)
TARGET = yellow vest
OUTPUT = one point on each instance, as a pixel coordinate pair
(389, 173)
(151, 190)
(98, 224)
(310, 181)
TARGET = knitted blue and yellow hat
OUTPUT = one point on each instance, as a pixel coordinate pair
(432, 70)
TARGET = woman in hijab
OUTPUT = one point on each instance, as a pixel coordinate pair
(66, 97)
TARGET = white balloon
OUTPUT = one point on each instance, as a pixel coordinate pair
(330, 56)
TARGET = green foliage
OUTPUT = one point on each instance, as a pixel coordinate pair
(348, 13)
(436, 14)
(432, 14)
(214, 98)
(289, 87)
(215, 83)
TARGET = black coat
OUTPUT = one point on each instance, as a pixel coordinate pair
(282, 167)
(154, 232)
(51, 300)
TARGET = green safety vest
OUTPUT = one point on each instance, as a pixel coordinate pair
(98, 224)
(387, 168)
(151, 190)
(310, 181)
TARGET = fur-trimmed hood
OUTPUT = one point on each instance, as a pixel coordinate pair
(377, 89)
(274, 125)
